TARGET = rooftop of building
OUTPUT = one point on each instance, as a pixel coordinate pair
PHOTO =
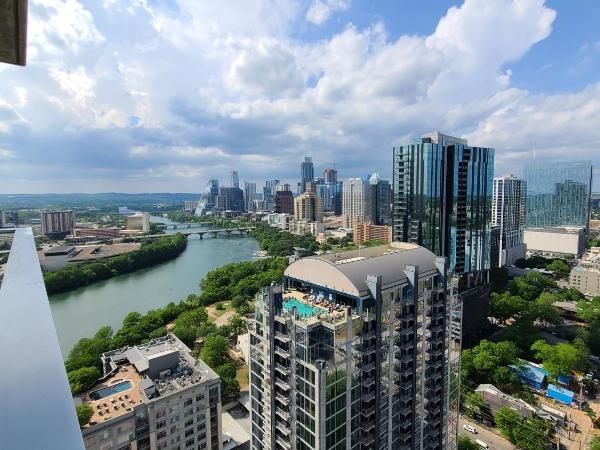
(139, 374)
(347, 272)
(557, 230)
(59, 250)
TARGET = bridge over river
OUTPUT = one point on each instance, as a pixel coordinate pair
(202, 233)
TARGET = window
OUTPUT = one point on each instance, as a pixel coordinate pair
(188, 423)
(161, 435)
(200, 397)
(188, 402)
(189, 442)
(189, 432)
(161, 424)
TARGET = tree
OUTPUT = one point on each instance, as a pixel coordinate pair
(480, 363)
(595, 443)
(498, 278)
(544, 311)
(507, 421)
(505, 306)
(475, 406)
(561, 359)
(589, 310)
(84, 413)
(237, 326)
(464, 443)
(560, 268)
(531, 434)
(82, 378)
(215, 351)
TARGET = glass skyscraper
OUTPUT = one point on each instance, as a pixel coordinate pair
(558, 194)
(307, 173)
(443, 199)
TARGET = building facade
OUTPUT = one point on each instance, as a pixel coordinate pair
(508, 213)
(284, 200)
(330, 175)
(442, 200)
(269, 194)
(358, 350)
(586, 278)
(138, 221)
(57, 222)
(380, 200)
(558, 194)
(557, 242)
(308, 207)
(249, 195)
(355, 200)
(230, 199)
(234, 179)
(208, 200)
(154, 396)
(307, 173)
(102, 233)
(366, 231)
(331, 196)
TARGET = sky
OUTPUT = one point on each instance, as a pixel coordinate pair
(160, 95)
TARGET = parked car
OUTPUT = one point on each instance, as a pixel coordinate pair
(481, 443)
(470, 429)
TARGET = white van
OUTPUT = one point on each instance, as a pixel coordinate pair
(481, 443)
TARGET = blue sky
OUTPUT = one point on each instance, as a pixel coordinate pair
(159, 95)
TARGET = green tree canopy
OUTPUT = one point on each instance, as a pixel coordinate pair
(215, 351)
(507, 421)
(561, 359)
(82, 378)
(560, 268)
(589, 310)
(505, 306)
(487, 360)
(464, 443)
(84, 413)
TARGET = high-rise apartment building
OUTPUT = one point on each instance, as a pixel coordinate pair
(284, 199)
(208, 200)
(558, 194)
(307, 173)
(249, 195)
(308, 207)
(154, 396)
(355, 200)
(9, 218)
(330, 175)
(508, 213)
(57, 222)
(442, 200)
(331, 196)
(234, 179)
(366, 231)
(380, 200)
(357, 350)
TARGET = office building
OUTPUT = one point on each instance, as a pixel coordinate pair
(57, 223)
(249, 195)
(330, 175)
(230, 199)
(558, 194)
(234, 179)
(208, 199)
(308, 207)
(138, 221)
(442, 199)
(9, 218)
(357, 350)
(99, 233)
(330, 194)
(284, 199)
(557, 242)
(307, 173)
(154, 396)
(304, 227)
(269, 194)
(367, 231)
(355, 200)
(380, 200)
(508, 213)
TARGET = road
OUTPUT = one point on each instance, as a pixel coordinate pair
(495, 441)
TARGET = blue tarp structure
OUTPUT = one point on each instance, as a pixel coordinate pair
(560, 394)
(531, 375)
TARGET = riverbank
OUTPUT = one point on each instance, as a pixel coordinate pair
(150, 254)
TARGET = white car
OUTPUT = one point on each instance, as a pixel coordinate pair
(470, 429)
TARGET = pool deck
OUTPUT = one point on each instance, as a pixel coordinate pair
(118, 404)
(328, 312)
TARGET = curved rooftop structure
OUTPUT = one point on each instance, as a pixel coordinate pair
(347, 272)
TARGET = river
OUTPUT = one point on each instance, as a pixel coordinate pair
(81, 312)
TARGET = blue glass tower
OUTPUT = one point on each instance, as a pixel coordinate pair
(558, 194)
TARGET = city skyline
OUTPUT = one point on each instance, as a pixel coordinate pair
(274, 91)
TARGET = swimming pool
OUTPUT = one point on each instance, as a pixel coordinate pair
(302, 309)
(110, 390)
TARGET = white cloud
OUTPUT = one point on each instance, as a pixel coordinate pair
(321, 10)
(193, 89)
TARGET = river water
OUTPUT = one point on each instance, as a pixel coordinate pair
(81, 312)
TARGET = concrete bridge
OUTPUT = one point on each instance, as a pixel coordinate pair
(180, 226)
(202, 233)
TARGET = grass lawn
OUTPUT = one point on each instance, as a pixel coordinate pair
(214, 313)
(243, 376)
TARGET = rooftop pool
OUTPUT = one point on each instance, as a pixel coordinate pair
(302, 309)
(110, 390)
